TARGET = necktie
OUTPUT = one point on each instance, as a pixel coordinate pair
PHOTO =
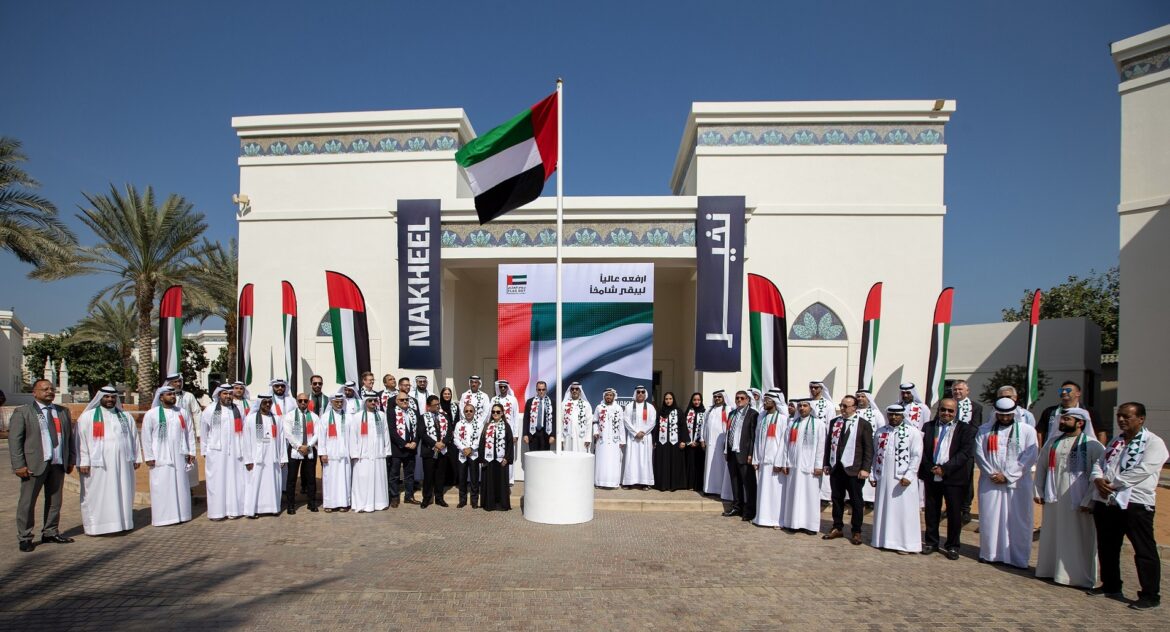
(52, 430)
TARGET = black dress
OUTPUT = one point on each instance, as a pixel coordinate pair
(695, 456)
(495, 492)
(668, 461)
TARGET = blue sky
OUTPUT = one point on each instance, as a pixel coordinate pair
(143, 92)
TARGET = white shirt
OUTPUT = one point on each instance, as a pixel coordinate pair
(51, 453)
(736, 427)
(1140, 481)
(944, 443)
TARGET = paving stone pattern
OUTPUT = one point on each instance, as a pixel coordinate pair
(459, 569)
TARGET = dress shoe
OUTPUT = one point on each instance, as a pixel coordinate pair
(746, 518)
(424, 504)
(966, 517)
(461, 505)
(27, 546)
(1144, 604)
(731, 512)
(313, 508)
(394, 503)
(1101, 592)
(410, 500)
(474, 503)
(442, 503)
(833, 535)
(951, 554)
(55, 539)
(927, 550)
(855, 539)
(292, 511)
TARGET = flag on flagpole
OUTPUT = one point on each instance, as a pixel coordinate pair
(869, 337)
(244, 335)
(939, 338)
(170, 332)
(507, 166)
(291, 357)
(347, 319)
(1033, 366)
(769, 331)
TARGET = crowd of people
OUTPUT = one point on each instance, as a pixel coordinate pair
(772, 459)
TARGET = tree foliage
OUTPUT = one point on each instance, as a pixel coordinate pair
(220, 363)
(90, 364)
(1095, 297)
(29, 226)
(1014, 375)
(211, 290)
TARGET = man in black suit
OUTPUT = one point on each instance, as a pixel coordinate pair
(403, 448)
(740, 438)
(42, 444)
(538, 420)
(848, 459)
(969, 412)
(948, 456)
(434, 433)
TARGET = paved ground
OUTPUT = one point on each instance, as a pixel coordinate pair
(464, 569)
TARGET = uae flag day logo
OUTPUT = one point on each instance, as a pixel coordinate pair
(516, 283)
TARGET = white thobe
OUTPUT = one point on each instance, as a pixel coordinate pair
(769, 482)
(895, 507)
(824, 410)
(337, 474)
(576, 427)
(192, 411)
(480, 400)
(609, 437)
(803, 453)
(639, 466)
(107, 492)
(715, 478)
(917, 414)
(876, 420)
(225, 462)
(265, 444)
(1068, 539)
(370, 490)
(168, 444)
(1005, 511)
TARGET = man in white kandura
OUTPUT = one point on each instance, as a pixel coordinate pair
(640, 420)
(477, 398)
(1068, 540)
(769, 483)
(191, 411)
(225, 458)
(168, 447)
(1005, 452)
(577, 426)
(333, 448)
(264, 448)
(801, 461)
(609, 438)
(823, 410)
(107, 457)
(369, 445)
(715, 424)
(241, 397)
(512, 415)
(917, 414)
(868, 410)
(897, 453)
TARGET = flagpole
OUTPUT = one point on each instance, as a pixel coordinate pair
(560, 229)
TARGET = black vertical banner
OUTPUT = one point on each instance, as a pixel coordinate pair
(719, 226)
(419, 317)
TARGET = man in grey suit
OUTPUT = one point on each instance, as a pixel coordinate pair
(31, 430)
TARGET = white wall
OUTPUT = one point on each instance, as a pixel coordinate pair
(1144, 214)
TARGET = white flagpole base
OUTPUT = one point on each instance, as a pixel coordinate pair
(558, 487)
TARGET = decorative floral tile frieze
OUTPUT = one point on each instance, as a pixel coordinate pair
(374, 143)
(659, 234)
(1153, 61)
(809, 135)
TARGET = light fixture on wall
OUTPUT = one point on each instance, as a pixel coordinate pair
(242, 201)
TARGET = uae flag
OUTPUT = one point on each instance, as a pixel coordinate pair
(289, 310)
(244, 335)
(939, 338)
(769, 330)
(347, 319)
(1033, 366)
(170, 332)
(869, 337)
(507, 166)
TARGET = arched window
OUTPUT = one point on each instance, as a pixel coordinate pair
(325, 327)
(817, 322)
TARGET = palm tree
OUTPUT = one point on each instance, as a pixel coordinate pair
(145, 246)
(211, 290)
(111, 323)
(29, 227)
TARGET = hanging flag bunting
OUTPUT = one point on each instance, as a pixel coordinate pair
(244, 335)
(291, 357)
(170, 332)
(869, 337)
(347, 319)
(769, 331)
(507, 166)
(939, 337)
(1033, 367)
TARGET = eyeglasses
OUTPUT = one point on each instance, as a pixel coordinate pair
(400, 401)
(497, 412)
(302, 401)
(1065, 391)
(541, 389)
(317, 383)
(740, 397)
(946, 410)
